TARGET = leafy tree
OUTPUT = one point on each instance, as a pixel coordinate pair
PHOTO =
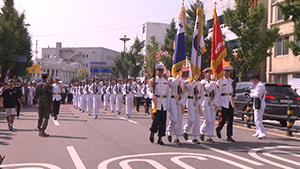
(152, 50)
(169, 38)
(114, 72)
(291, 8)
(122, 64)
(82, 73)
(14, 41)
(136, 58)
(166, 59)
(253, 41)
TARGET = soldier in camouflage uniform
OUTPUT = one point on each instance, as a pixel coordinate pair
(44, 104)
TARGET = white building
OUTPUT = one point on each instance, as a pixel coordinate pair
(153, 29)
(65, 62)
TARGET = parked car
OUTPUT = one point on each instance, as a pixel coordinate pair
(279, 94)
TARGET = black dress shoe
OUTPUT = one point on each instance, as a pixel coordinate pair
(210, 140)
(195, 141)
(119, 113)
(218, 133)
(177, 142)
(160, 143)
(185, 136)
(55, 117)
(230, 139)
(202, 137)
(128, 116)
(170, 138)
(151, 137)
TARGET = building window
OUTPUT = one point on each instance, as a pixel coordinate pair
(280, 46)
(48, 56)
(278, 15)
(144, 29)
(86, 65)
(281, 79)
(45, 56)
(83, 55)
(86, 56)
(56, 72)
(296, 76)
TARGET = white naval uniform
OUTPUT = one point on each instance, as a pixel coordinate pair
(176, 114)
(259, 92)
(105, 96)
(112, 97)
(86, 95)
(119, 96)
(96, 98)
(129, 96)
(56, 91)
(194, 92)
(83, 98)
(73, 91)
(208, 107)
(89, 99)
(79, 97)
(31, 91)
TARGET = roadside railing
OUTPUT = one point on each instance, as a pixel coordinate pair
(289, 118)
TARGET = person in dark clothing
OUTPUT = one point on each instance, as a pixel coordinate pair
(21, 92)
(44, 104)
(9, 99)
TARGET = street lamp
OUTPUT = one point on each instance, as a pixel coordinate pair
(124, 39)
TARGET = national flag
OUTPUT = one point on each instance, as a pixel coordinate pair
(7, 76)
(198, 46)
(179, 58)
(218, 48)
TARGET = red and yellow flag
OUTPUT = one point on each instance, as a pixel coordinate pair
(218, 49)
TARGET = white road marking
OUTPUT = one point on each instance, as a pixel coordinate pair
(30, 165)
(76, 159)
(230, 154)
(104, 164)
(177, 161)
(124, 164)
(253, 153)
(281, 158)
(55, 122)
(131, 121)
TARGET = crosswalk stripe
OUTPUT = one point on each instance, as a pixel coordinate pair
(76, 159)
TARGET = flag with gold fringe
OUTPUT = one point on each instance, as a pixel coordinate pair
(179, 58)
(218, 48)
(198, 46)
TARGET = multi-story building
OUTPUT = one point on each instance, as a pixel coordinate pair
(66, 61)
(153, 29)
(282, 64)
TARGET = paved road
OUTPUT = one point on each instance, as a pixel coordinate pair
(79, 141)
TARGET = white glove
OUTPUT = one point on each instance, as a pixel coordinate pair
(219, 108)
(211, 103)
(197, 103)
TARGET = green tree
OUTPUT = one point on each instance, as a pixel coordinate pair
(169, 38)
(291, 8)
(253, 40)
(166, 59)
(122, 64)
(152, 50)
(82, 73)
(114, 72)
(14, 41)
(136, 58)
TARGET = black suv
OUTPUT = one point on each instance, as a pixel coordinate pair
(278, 94)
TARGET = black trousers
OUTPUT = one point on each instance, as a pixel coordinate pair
(226, 116)
(56, 105)
(147, 104)
(18, 109)
(159, 123)
(138, 103)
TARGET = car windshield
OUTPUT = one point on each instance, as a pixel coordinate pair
(280, 89)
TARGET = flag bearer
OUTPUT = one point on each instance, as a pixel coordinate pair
(211, 93)
(160, 104)
(177, 103)
(119, 95)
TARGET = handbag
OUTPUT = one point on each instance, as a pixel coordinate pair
(257, 102)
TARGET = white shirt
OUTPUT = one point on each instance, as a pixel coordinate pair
(56, 92)
(161, 89)
(259, 92)
(31, 90)
(138, 90)
(225, 87)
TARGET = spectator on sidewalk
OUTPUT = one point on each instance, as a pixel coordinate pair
(9, 99)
